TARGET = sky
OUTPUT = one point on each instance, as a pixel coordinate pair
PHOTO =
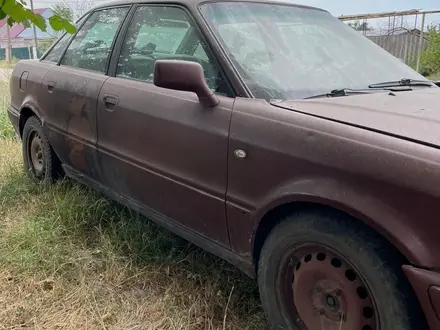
(345, 7)
(336, 7)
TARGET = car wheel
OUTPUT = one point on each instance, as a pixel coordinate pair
(322, 270)
(40, 162)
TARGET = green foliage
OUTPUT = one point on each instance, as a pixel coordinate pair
(63, 10)
(358, 26)
(17, 12)
(43, 46)
(430, 63)
(6, 129)
(58, 23)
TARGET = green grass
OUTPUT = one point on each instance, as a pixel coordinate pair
(4, 64)
(6, 130)
(71, 259)
(435, 77)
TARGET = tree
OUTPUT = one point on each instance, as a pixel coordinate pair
(16, 11)
(80, 7)
(358, 26)
(430, 62)
(73, 10)
(64, 11)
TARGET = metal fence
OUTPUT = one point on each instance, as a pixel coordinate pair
(403, 34)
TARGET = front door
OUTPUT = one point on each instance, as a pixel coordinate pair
(72, 90)
(159, 147)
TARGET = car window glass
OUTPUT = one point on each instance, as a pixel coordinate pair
(200, 53)
(245, 40)
(166, 39)
(57, 50)
(163, 33)
(91, 47)
(298, 52)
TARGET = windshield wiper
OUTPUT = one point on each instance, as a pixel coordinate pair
(342, 92)
(402, 82)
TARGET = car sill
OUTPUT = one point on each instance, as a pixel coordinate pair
(243, 264)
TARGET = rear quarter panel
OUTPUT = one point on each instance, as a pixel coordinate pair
(386, 182)
(29, 93)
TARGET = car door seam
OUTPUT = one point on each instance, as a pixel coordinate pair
(70, 135)
(166, 176)
(228, 148)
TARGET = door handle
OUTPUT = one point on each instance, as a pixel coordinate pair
(111, 101)
(51, 85)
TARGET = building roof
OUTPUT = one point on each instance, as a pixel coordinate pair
(19, 30)
(393, 32)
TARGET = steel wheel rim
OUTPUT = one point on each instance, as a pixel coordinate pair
(320, 289)
(36, 154)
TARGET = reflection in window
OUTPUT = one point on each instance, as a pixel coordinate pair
(91, 47)
(55, 53)
(162, 33)
(284, 51)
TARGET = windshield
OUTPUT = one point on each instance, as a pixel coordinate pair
(290, 52)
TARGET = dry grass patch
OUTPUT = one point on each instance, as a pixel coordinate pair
(4, 64)
(71, 259)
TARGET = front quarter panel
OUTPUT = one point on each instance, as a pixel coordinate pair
(291, 157)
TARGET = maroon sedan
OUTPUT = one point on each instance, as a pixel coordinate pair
(270, 134)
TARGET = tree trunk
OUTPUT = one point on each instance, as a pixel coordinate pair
(8, 51)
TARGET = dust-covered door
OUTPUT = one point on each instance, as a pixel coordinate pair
(72, 90)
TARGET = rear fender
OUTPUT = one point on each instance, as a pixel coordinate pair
(30, 103)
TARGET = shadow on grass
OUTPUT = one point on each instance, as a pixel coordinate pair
(72, 232)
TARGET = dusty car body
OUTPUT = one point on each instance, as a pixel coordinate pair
(227, 167)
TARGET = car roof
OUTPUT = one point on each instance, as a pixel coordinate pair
(195, 3)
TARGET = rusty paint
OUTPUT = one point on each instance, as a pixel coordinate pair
(374, 157)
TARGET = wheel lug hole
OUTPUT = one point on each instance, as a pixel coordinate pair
(336, 263)
(321, 256)
(350, 275)
(362, 292)
(367, 312)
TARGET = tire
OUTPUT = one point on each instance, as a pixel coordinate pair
(323, 270)
(40, 161)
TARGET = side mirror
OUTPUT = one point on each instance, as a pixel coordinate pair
(184, 76)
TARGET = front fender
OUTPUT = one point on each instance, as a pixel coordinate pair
(349, 198)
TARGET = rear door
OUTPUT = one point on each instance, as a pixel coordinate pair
(73, 86)
(159, 147)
